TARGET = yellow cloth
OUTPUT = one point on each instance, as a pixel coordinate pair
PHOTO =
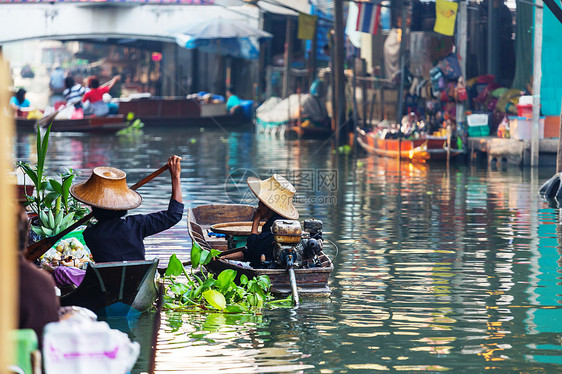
(445, 16)
(307, 26)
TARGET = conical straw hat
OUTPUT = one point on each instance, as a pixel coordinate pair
(106, 189)
(277, 193)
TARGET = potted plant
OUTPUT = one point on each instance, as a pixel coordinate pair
(52, 203)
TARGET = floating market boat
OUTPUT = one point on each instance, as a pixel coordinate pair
(299, 115)
(154, 111)
(415, 150)
(312, 281)
(107, 124)
(115, 288)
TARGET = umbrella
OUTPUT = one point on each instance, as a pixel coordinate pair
(224, 36)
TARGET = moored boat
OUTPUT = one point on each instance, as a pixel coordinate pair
(107, 124)
(310, 281)
(154, 111)
(299, 115)
(415, 150)
(115, 288)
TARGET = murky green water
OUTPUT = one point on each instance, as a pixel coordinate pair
(435, 269)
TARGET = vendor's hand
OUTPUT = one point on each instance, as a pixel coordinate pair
(175, 166)
(261, 211)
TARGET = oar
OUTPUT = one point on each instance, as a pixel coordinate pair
(43, 121)
(36, 250)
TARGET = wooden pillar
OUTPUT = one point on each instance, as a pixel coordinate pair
(312, 57)
(339, 77)
(404, 15)
(8, 251)
(288, 57)
(461, 53)
(492, 37)
(537, 77)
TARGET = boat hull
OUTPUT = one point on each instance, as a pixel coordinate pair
(115, 288)
(180, 112)
(109, 124)
(431, 148)
(311, 282)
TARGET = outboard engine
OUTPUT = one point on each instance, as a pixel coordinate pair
(288, 234)
(312, 242)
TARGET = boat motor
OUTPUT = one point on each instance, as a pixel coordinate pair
(287, 234)
(312, 242)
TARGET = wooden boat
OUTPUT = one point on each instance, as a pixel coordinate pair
(415, 150)
(108, 124)
(310, 281)
(115, 288)
(180, 112)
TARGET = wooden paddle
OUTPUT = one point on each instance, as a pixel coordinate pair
(36, 250)
(43, 121)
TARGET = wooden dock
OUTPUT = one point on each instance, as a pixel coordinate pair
(498, 151)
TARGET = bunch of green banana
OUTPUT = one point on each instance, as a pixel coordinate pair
(51, 225)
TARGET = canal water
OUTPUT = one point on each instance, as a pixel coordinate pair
(435, 268)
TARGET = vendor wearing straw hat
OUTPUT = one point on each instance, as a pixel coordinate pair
(114, 238)
(276, 202)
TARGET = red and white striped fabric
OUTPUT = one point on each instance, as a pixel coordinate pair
(368, 18)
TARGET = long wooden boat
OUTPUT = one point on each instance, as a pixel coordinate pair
(107, 124)
(115, 288)
(415, 150)
(181, 112)
(311, 282)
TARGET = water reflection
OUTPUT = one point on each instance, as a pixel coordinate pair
(435, 268)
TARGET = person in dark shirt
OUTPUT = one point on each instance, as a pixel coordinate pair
(38, 302)
(276, 202)
(114, 238)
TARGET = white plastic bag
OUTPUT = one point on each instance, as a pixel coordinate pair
(80, 345)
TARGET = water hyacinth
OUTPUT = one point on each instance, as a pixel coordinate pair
(205, 293)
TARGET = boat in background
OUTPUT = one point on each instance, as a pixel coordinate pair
(416, 150)
(311, 282)
(107, 124)
(179, 111)
(299, 115)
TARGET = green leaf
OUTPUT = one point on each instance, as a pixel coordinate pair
(175, 267)
(179, 288)
(215, 298)
(51, 196)
(58, 218)
(67, 220)
(243, 280)
(47, 231)
(38, 230)
(235, 308)
(43, 218)
(57, 187)
(66, 188)
(205, 257)
(225, 279)
(51, 219)
(195, 254)
(215, 252)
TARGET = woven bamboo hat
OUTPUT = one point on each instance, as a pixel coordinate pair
(106, 189)
(276, 193)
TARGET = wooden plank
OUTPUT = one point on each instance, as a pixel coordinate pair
(8, 251)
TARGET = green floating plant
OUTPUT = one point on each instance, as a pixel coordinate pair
(205, 293)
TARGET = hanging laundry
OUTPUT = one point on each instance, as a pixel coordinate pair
(307, 26)
(445, 16)
(368, 18)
